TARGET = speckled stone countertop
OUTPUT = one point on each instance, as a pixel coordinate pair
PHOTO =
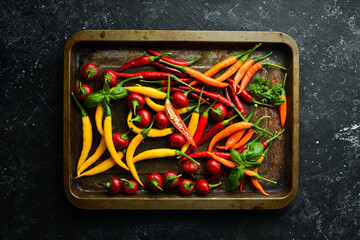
(33, 203)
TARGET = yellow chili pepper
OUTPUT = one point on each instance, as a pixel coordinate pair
(161, 108)
(108, 136)
(193, 124)
(147, 91)
(161, 153)
(131, 150)
(97, 154)
(103, 166)
(99, 114)
(87, 133)
(153, 132)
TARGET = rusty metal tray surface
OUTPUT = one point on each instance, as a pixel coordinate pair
(110, 49)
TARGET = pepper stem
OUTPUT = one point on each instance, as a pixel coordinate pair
(257, 59)
(153, 58)
(258, 137)
(106, 108)
(135, 103)
(146, 131)
(172, 178)
(82, 110)
(283, 82)
(265, 64)
(263, 104)
(243, 58)
(179, 81)
(226, 121)
(180, 153)
(181, 68)
(129, 79)
(214, 185)
(206, 112)
(187, 93)
(217, 111)
(266, 149)
(255, 125)
(238, 112)
(167, 99)
(262, 178)
(188, 185)
(155, 183)
(129, 184)
(274, 137)
(159, 82)
(137, 118)
(125, 135)
(81, 90)
(108, 185)
(252, 113)
(197, 59)
(197, 109)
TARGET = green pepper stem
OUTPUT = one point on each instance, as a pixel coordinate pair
(128, 79)
(181, 68)
(284, 81)
(129, 184)
(82, 110)
(257, 138)
(266, 64)
(263, 104)
(266, 149)
(167, 99)
(243, 58)
(108, 185)
(197, 109)
(155, 183)
(262, 178)
(125, 135)
(206, 112)
(180, 153)
(274, 137)
(242, 54)
(82, 90)
(172, 177)
(179, 81)
(159, 82)
(153, 58)
(147, 130)
(197, 59)
(135, 103)
(255, 125)
(106, 108)
(217, 112)
(252, 113)
(238, 112)
(214, 185)
(137, 118)
(257, 59)
(187, 93)
(226, 121)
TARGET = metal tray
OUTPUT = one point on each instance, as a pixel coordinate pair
(110, 49)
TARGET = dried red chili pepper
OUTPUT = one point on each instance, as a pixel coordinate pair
(166, 68)
(175, 61)
(175, 119)
(140, 62)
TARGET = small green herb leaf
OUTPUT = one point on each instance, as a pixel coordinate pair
(118, 92)
(235, 177)
(235, 156)
(253, 152)
(252, 165)
(261, 91)
(94, 99)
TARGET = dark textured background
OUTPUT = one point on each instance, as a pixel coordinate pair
(33, 203)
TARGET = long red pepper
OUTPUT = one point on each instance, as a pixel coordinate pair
(140, 62)
(246, 96)
(164, 82)
(268, 141)
(166, 68)
(231, 111)
(236, 100)
(201, 126)
(225, 155)
(146, 75)
(221, 99)
(176, 120)
(175, 61)
(215, 129)
(191, 94)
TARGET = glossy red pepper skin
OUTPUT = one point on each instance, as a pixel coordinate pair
(177, 140)
(191, 94)
(146, 75)
(87, 74)
(217, 175)
(161, 121)
(175, 61)
(171, 179)
(210, 95)
(231, 111)
(186, 186)
(83, 93)
(236, 100)
(130, 187)
(114, 185)
(154, 182)
(106, 75)
(139, 62)
(218, 112)
(242, 148)
(168, 69)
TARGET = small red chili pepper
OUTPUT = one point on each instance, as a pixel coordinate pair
(82, 92)
(114, 185)
(175, 119)
(109, 77)
(215, 129)
(171, 179)
(213, 167)
(190, 167)
(231, 111)
(168, 69)
(236, 100)
(121, 141)
(161, 121)
(177, 140)
(217, 175)
(142, 119)
(224, 155)
(135, 101)
(145, 75)
(89, 71)
(140, 62)
(267, 142)
(175, 61)
(172, 83)
(201, 126)
(213, 96)
(130, 187)
(154, 182)
(246, 96)
(186, 186)
(218, 112)
(190, 94)
(202, 187)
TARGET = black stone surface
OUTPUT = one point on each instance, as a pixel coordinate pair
(33, 36)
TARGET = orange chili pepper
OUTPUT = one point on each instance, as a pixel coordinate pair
(245, 139)
(283, 106)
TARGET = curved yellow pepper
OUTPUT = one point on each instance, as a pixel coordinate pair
(161, 108)
(147, 91)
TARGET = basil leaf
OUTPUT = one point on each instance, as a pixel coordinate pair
(235, 177)
(93, 99)
(253, 152)
(252, 165)
(235, 156)
(118, 92)
(106, 88)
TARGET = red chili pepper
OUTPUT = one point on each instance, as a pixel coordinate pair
(166, 68)
(140, 62)
(214, 130)
(217, 175)
(146, 75)
(213, 96)
(190, 94)
(164, 82)
(246, 96)
(267, 142)
(176, 120)
(225, 155)
(236, 100)
(231, 111)
(201, 126)
(175, 61)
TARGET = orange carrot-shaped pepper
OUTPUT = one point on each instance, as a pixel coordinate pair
(283, 106)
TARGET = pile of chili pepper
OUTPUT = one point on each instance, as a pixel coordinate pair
(177, 76)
